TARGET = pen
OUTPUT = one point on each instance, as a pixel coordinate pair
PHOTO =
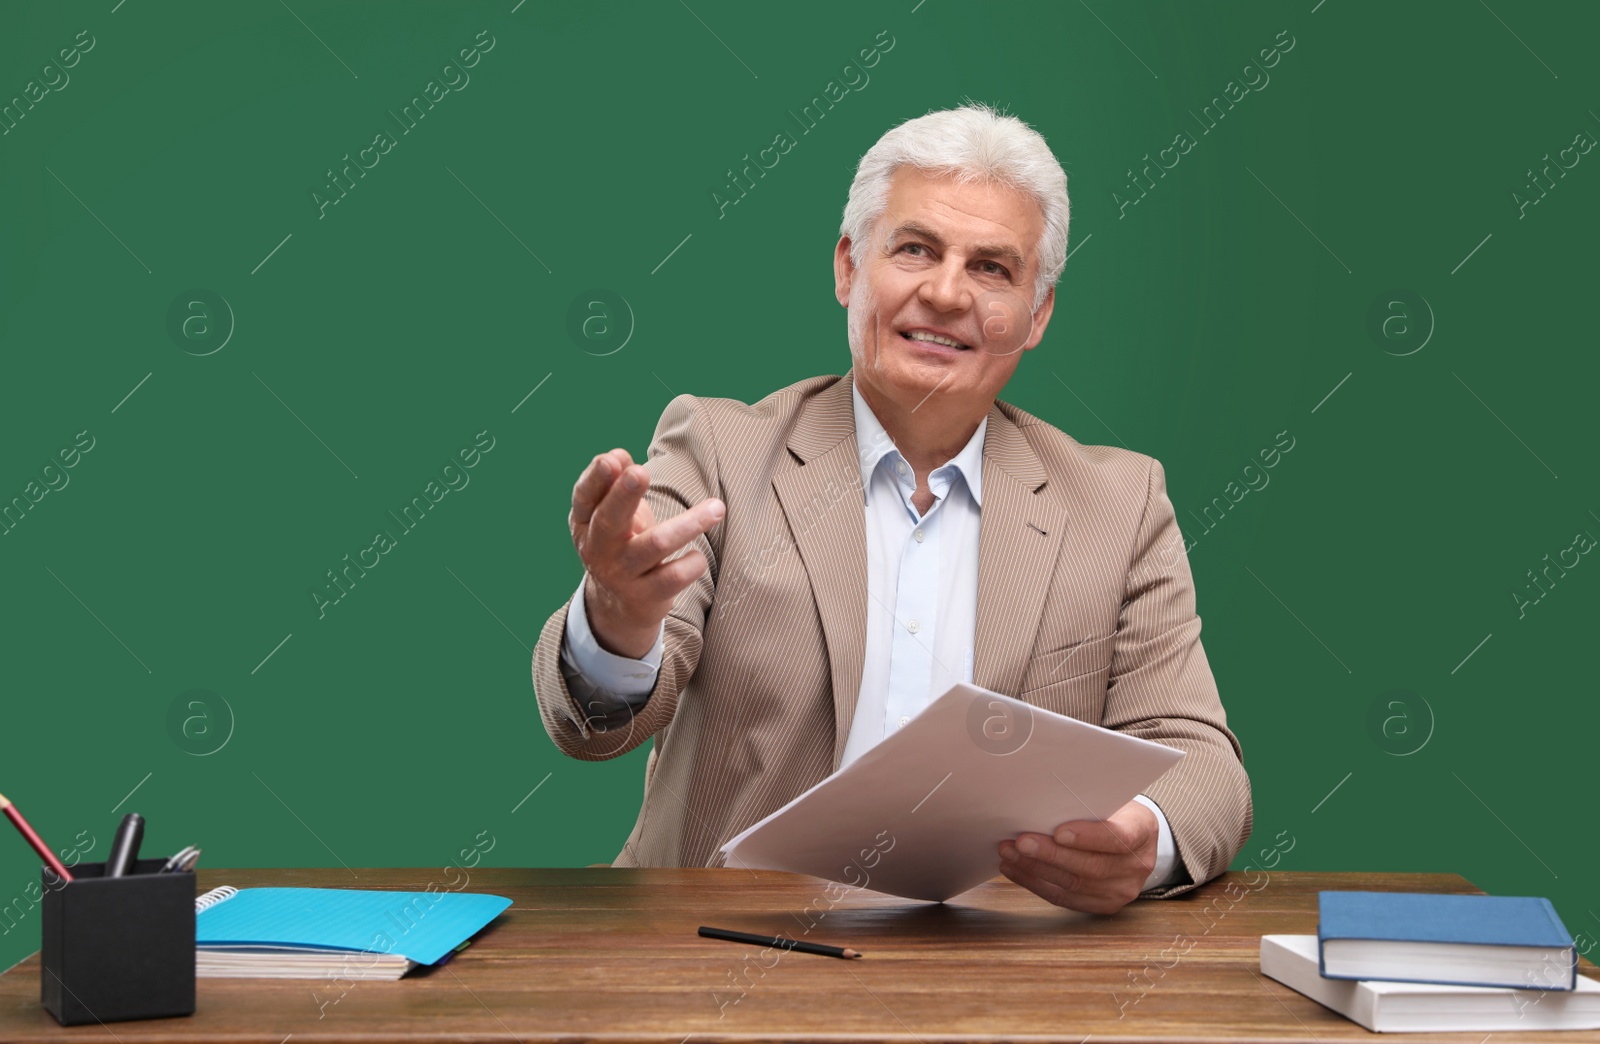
(33, 839)
(780, 942)
(185, 859)
(125, 845)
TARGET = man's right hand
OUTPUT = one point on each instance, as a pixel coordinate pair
(629, 589)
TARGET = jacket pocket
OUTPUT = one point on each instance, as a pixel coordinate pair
(1082, 697)
(1072, 661)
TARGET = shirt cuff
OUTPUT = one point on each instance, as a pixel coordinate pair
(605, 670)
(1167, 866)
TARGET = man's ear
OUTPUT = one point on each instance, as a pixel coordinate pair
(1041, 319)
(844, 271)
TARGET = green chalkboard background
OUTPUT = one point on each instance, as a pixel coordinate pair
(1353, 255)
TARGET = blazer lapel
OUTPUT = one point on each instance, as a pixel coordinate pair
(822, 501)
(1019, 538)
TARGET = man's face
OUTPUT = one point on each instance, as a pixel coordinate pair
(951, 261)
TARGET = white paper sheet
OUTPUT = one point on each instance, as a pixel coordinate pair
(921, 814)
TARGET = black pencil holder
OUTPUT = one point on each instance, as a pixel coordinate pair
(117, 948)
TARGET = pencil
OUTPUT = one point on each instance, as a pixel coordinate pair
(33, 839)
(780, 942)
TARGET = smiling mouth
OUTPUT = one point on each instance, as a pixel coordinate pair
(922, 337)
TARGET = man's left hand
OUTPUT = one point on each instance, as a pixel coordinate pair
(1097, 867)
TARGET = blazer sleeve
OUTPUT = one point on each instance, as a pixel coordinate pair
(682, 463)
(1161, 689)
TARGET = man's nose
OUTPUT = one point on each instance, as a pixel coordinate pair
(945, 289)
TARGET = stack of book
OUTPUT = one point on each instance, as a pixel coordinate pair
(1397, 962)
(333, 933)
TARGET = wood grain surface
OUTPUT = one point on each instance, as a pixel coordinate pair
(612, 954)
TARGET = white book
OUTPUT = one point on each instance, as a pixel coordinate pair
(297, 962)
(1416, 1007)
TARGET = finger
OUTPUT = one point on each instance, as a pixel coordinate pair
(593, 483)
(1084, 866)
(643, 518)
(650, 548)
(1092, 835)
(1053, 892)
(1121, 886)
(611, 526)
(667, 580)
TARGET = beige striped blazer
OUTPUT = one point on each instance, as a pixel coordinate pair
(1085, 607)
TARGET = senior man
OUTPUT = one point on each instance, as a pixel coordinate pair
(779, 586)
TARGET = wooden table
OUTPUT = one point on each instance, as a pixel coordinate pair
(608, 954)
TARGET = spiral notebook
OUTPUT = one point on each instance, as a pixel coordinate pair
(347, 933)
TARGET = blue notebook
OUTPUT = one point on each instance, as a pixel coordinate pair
(1461, 940)
(269, 929)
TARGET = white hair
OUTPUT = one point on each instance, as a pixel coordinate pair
(971, 143)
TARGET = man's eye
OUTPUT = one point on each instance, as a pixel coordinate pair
(995, 268)
(912, 246)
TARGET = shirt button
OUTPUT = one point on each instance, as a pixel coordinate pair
(900, 466)
(903, 720)
(918, 534)
(913, 626)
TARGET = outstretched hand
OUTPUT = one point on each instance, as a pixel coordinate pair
(630, 588)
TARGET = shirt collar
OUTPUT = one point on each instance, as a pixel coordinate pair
(873, 444)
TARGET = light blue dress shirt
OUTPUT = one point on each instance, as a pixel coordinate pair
(922, 587)
(922, 580)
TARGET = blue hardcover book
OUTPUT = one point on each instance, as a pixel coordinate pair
(1460, 940)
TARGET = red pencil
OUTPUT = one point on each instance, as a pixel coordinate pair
(33, 839)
